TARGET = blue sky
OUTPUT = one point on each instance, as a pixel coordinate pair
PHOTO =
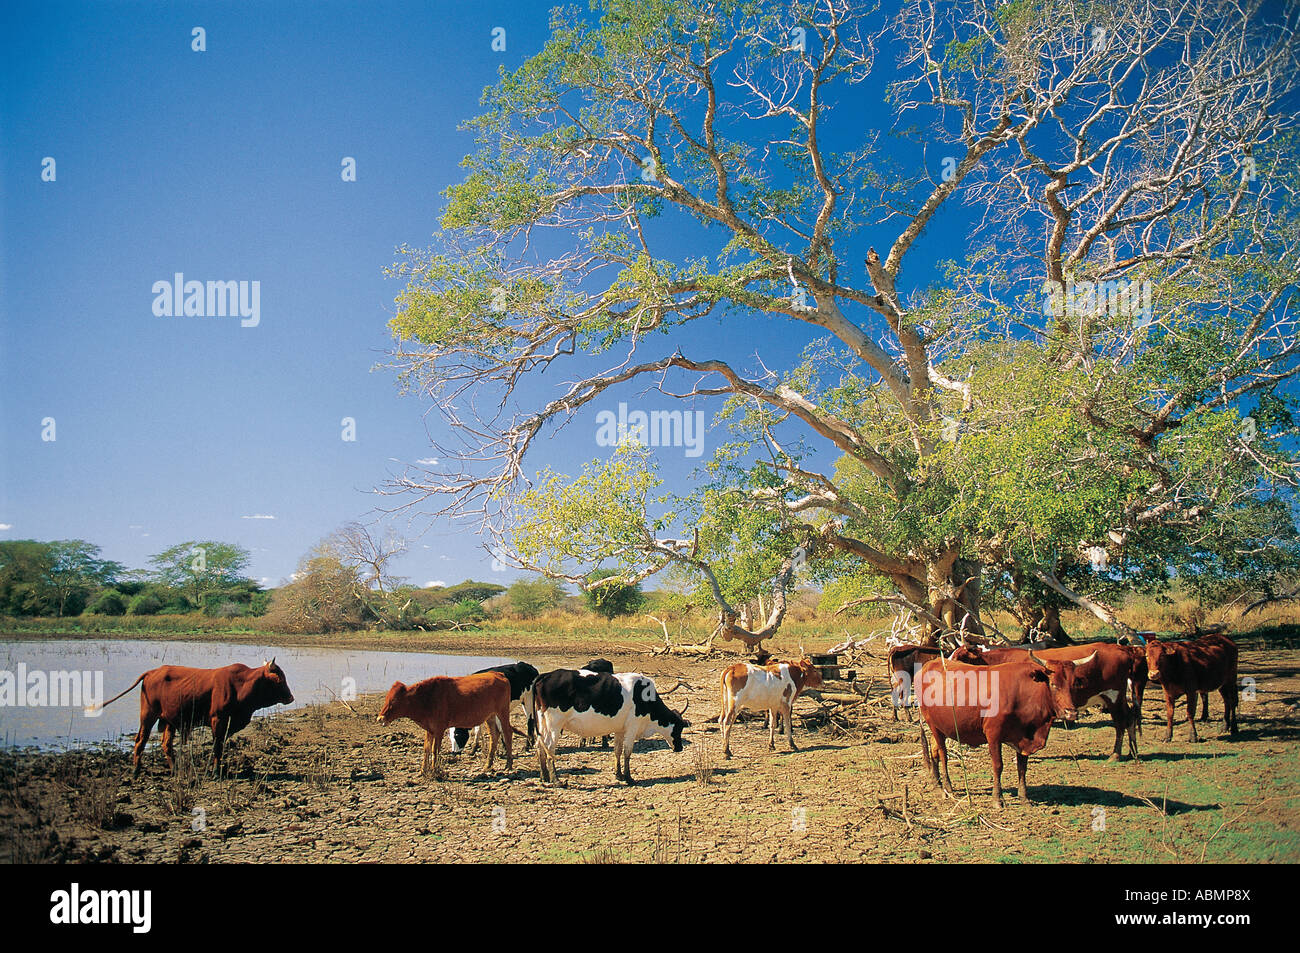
(225, 165)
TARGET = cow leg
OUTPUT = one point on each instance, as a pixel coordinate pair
(169, 749)
(930, 755)
(219, 727)
(1191, 712)
(727, 719)
(541, 758)
(995, 759)
(1205, 706)
(428, 748)
(1229, 695)
(787, 713)
(508, 730)
(1169, 717)
(941, 744)
(494, 738)
(142, 738)
(1133, 725)
(771, 729)
(1118, 717)
(438, 772)
(1022, 767)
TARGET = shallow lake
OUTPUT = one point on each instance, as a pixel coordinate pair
(98, 670)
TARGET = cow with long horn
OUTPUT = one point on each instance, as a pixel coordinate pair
(1014, 703)
(1105, 676)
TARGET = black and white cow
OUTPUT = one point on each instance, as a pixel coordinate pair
(521, 677)
(588, 703)
(597, 665)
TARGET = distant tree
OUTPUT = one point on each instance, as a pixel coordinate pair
(529, 597)
(611, 599)
(24, 572)
(323, 596)
(76, 570)
(469, 589)
(200, 567)
(369, 554)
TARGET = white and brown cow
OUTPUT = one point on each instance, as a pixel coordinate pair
(772, 687)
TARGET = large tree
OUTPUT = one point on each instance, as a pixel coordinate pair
(1103, 375)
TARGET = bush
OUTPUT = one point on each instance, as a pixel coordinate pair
(146, 603)
(108, 602)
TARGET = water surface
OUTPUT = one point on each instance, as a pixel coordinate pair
(315, 675)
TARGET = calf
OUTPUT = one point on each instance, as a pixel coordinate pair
(1013, 703)
(521, 676)
(1105, 682)
(443, 702)
(224, 699)
(1189, 668)
(588, 703)
(772, 687)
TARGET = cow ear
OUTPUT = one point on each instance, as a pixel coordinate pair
(1039, 674)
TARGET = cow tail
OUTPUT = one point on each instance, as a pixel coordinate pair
(722, 701)
(103, 705)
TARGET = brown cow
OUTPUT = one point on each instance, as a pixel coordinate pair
(224, 699)
(1013, 703)
(772, 687)
(1189, 668)
(443, 702)
(1106, 681)
(905, 660)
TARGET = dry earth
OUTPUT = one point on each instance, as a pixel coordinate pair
(327, 784)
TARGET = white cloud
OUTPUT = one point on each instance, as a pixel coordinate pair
(4, 526)
(428, 462)
(435, 582)
(444, 556)
(258, 516)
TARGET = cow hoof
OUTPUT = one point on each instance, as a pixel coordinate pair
(1115, 756)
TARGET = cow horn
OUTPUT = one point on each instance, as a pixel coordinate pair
(1034, 658)
(1085, 661)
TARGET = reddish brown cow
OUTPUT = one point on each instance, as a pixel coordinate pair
(1014, 703)
(224, 699)
(443, 702)
(1106, 681)
(1189, 668)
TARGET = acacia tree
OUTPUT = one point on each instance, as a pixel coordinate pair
(1077, 384)
(200, 567)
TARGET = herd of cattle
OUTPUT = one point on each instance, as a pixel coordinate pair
(977, 696)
